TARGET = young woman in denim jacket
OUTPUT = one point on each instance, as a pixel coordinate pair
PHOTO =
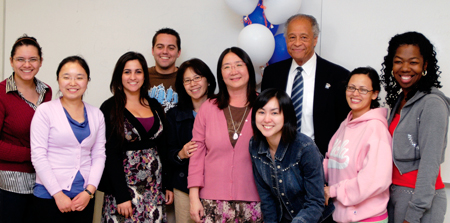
(287, 165)
(418, 123)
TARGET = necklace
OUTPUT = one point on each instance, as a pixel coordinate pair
(235, 135)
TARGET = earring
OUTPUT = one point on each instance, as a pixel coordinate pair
(208, 85)
(424, 73)
(392, 72)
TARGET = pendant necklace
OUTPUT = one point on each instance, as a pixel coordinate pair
(235, 135)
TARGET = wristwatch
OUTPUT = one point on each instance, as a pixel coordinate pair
(90, 194)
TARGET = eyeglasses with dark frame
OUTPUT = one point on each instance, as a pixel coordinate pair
(360, 90)
(195, 79)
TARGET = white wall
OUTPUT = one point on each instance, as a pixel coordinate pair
(354, 33)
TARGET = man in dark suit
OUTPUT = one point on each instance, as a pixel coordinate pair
(324, 103)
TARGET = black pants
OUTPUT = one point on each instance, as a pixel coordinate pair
(14, 207)
(46, 210)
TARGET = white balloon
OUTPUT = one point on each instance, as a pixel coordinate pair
(258, 42)
(278, 11)
(242, 7)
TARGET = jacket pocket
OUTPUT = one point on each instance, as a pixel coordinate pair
(406, 147)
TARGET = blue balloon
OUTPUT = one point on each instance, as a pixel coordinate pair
(258, 17)
(280, 53)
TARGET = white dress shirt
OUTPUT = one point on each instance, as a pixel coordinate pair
(309, 79)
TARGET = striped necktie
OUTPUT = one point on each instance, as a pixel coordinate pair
(297, 96)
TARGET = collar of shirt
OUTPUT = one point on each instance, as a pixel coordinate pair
(41, 89)
(308, 67)
(11, 85)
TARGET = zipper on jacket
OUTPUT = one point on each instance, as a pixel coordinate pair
(393, 134)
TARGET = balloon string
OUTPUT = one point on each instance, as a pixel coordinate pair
(264, 14)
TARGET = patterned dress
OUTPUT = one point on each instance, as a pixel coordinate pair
(143, 173)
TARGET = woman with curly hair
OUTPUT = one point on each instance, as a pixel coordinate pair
(418, 123)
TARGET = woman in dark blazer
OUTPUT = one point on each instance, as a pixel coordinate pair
(195, 83)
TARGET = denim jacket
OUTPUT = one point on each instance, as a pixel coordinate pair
(294, 179)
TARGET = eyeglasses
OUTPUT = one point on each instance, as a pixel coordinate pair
(189, 81)
(237, 65)
(360, 90)
(23, 60)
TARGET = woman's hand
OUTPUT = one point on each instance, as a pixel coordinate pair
(327, 194)
(63, 202)
(169, 197)
(196, 210)
(188, 150)
(125, 209)
(82, 199)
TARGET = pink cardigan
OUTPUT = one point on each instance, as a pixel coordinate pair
(56, 153)
(221, 171)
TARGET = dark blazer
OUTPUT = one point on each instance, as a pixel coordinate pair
(179, 132)
(330, 106)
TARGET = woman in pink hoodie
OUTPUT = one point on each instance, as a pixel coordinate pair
(358, 164)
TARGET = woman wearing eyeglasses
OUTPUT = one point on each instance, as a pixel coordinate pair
(358, 164)
(195, 83)
(20, 95)
(220, 181)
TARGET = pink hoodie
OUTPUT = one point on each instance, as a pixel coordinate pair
(358, 166)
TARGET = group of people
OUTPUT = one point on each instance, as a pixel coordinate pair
(313, 146)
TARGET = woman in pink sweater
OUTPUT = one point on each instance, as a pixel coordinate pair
(220, 180)
(358, 164)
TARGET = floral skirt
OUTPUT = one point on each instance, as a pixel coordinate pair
(143, 171)
(231, 211)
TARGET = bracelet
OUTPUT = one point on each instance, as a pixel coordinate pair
(179, 158)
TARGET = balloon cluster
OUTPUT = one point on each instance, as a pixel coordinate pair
(261, 19)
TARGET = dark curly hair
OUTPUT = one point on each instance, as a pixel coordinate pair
(429, 56)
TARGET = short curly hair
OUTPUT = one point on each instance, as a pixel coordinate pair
(428, 53)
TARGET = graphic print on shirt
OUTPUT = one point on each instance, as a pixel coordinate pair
(338, 158)
(167, 98)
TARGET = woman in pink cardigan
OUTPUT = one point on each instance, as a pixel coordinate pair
(220, 180)
(67, 149)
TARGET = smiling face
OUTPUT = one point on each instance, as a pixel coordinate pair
(165, 52)
(195, 89)
(132, 77)
(72, 80)
(234, 72)
(270, 121)
(26, 63)
(300, 40)
(360, 103)
(408, 66)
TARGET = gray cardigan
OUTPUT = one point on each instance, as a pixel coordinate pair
(419, 143)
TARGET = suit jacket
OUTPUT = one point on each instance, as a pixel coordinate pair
(330, 106)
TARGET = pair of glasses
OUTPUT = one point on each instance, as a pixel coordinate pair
(189, 81)
(360, 90)
(23, 60)
(237, 65)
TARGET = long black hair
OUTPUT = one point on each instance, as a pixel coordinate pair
(223, 97)
(120, 99)
(429, 57)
